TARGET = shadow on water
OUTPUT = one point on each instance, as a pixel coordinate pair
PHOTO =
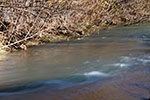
(58, 84)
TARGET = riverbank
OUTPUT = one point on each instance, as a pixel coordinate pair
(27, 23)
(112, 62)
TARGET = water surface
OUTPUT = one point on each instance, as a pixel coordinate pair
(113, 63)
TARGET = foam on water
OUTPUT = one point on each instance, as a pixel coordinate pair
(144, 60)
(86, 62)
(121, 65)
(95, 73)
(126, 58)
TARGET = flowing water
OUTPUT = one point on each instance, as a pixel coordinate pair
(111, 64)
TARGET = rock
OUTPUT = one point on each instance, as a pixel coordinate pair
(147, 99)
(23, 47)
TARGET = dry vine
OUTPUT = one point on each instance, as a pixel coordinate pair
(22, 21)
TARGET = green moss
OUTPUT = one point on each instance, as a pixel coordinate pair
(3, 51)
(32, 43)
(53, 38)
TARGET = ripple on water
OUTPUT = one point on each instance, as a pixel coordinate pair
(61, 83)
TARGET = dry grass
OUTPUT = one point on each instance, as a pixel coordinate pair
(23, 21)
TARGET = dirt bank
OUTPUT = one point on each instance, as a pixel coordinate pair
(25, 23)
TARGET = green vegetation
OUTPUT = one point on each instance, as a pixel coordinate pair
(25, 23)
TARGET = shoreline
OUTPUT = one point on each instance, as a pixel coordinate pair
(67, 20)
(6, 50)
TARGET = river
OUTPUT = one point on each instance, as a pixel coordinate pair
(111, 64)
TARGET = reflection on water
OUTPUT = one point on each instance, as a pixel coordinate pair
(112, 64)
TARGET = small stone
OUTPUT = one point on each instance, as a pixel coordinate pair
(78, 38)
(23, 47)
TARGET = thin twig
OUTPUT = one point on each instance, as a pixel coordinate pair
(20, 41)
(33, 24)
